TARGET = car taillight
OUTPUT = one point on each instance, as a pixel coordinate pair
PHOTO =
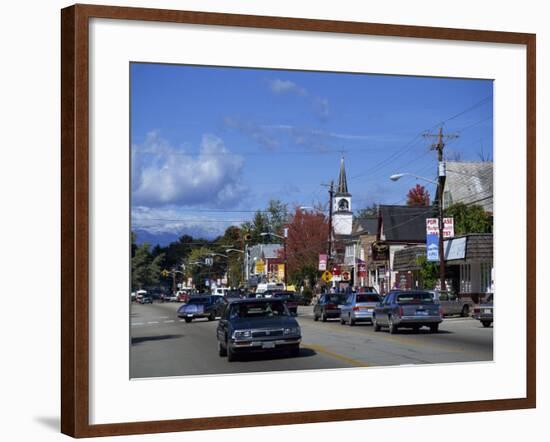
(401, 312)
(355, 308)
(331, 306)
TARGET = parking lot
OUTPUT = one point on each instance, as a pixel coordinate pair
(164, 345)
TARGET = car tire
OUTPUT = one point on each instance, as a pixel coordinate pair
(188, 320)
(351, 321)
(324, 317)
(342, 320)
(392, 328)
(211, 316)
(315, 318)
(486, 324)
(465, 311)
(222, 351)
(231, 356)
(295, 351)
(375, 325)
(434, 328)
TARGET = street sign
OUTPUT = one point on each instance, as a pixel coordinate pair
(432, 227)
(361, 268)
(260, 266)
(323, 262)
(327, 276)
(281, 272)
(346, 276)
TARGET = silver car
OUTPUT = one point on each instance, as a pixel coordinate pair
(452, 304)
(358, 307)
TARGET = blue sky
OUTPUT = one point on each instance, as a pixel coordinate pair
(211, 145)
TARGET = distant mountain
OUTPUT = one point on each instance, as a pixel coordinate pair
(161, 238)
(165, 238)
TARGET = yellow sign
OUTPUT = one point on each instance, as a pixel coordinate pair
(165, 273)
(327, 276)
(281, 272)
(260, 266)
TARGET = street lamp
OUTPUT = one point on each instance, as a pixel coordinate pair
(284, 249)
(439, 184)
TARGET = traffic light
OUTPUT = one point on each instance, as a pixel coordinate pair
(247, 237)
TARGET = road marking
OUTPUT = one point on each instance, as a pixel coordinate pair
(153, 322)
(166, 322)
(321, 349)
(138, 323)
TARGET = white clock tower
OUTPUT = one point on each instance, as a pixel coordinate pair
(342, 218)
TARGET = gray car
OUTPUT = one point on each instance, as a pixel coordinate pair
(407, 309)
(358, 307)
(250, 325)
(452, 304)
(484, 313)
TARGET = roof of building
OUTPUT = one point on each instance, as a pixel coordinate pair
(407, 258)
(404, 223)
(342, 189)
(469, 183)
(366, 225)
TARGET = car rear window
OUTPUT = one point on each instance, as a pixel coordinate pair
(199, 301)
(405, 298)
(258, 310)
(367, 298)
(334, 298)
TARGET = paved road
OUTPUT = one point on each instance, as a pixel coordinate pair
(164, 345)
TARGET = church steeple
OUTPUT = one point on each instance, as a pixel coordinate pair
(342, 180)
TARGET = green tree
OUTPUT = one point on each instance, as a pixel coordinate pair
(145, 268)
(429, 272)
(277, 216)
(367, 212)
(469, 219)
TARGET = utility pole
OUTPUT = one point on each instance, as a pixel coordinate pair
(331, 197)
(441, 173)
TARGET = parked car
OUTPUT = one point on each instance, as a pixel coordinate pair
(173, 297)
(328, 306)
(452, 304)
(145, 299)
(182, 296)
(249, 325)
(205, 306)
(484, 312)
(289, 298)
(358, 307)
(407, 309)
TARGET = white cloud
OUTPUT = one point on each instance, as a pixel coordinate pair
(163, 175)
(278, 86)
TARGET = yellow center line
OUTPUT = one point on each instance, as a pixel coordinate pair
(321, 349)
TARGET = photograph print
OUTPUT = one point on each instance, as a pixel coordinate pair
(307, 220)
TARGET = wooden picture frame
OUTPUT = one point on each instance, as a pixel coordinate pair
(75, 218)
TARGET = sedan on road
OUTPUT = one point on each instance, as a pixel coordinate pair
(328, 306)
(206, 306)
(249, 325)
(484, 313)
(358, 307)
(452, 304)
(407, 309)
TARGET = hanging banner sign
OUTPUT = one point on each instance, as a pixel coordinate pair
(322, 263)
(361, 268)
(432, 247)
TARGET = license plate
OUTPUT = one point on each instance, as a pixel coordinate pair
(370, 310)
(487, 310)
(189, 315)
(421, 313)
(268, 344)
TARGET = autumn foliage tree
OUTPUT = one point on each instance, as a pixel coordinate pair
(418, 196)
(307, 238)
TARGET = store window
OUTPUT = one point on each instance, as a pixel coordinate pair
(465, 278)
